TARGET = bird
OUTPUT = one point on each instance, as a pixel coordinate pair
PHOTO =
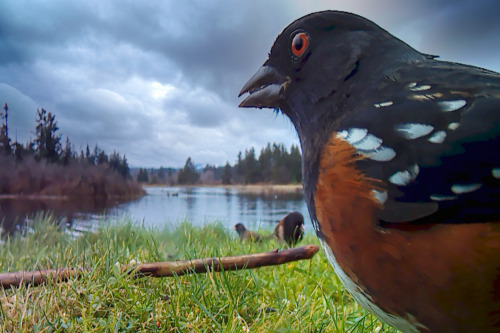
(245, 234)
(401, 168)
(290, 229)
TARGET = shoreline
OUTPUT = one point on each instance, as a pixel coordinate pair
(64, 197)
(265, 188)
(251, 188)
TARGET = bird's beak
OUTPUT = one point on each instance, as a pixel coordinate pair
(266, 87)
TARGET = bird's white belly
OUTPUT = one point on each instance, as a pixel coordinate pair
(406, 325)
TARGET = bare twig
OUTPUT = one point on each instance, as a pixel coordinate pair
(15, 279)
(168, 268)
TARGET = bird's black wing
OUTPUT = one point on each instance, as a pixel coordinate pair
(431, 134)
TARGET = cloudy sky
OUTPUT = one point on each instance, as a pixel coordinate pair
(158, 80)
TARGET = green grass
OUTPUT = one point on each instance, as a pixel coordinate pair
(303, 296)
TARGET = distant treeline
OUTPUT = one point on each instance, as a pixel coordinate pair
(44, 167)
(274, 165)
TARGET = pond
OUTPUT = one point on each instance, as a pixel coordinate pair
(165, 206)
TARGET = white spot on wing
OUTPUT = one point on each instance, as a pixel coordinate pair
(402, 178)
(442, 197)
(496, 172)
(342, 134)
(426, 97)
(369, 142)
(448, 106)
(356, 134)
(414, 87)
(383, 104)
(437, 137)
(413, 130)
(453, 126)
(383, 154)
(380, 196)
(465, 188)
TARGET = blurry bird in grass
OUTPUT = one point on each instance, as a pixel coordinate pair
(247, 235)
(290, 230)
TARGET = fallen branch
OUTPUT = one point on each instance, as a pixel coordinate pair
(168, 268)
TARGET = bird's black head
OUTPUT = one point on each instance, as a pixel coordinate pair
(314, 72)
(313, 59)
(240, 228)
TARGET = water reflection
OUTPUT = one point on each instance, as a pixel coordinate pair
(166, 205)
(14, 213)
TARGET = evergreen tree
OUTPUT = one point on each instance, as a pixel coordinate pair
(251, 172)
(67, 153)
(119, 164)
(188, 174)
(19, 151)
(123, 168)
(47, 141)
(295, 164)
(161, 174)
(101, 158)
(95, 154)
(227, 174)
(239, 166)
(30, 147)
(81, 158)
(265, 163)
(142, 176)
(114, 160)
(4, 132)
(277, 172)
(275, 164)
(88, 156)
(153, 179)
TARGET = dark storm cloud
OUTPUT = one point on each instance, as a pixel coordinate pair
(30, 30)
(106, 115)
(158, 80)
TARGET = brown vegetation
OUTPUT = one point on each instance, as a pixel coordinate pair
(32, 178)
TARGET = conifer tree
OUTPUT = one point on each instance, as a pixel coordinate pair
(4, 132)
(226, 174)
(47, 141)
(188, 174)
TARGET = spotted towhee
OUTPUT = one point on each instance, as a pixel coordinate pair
(245, 234)
(401, 168)
(290, 229)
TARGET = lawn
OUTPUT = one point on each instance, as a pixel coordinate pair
(303, 296)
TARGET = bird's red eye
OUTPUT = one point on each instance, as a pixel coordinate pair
(300, 42)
